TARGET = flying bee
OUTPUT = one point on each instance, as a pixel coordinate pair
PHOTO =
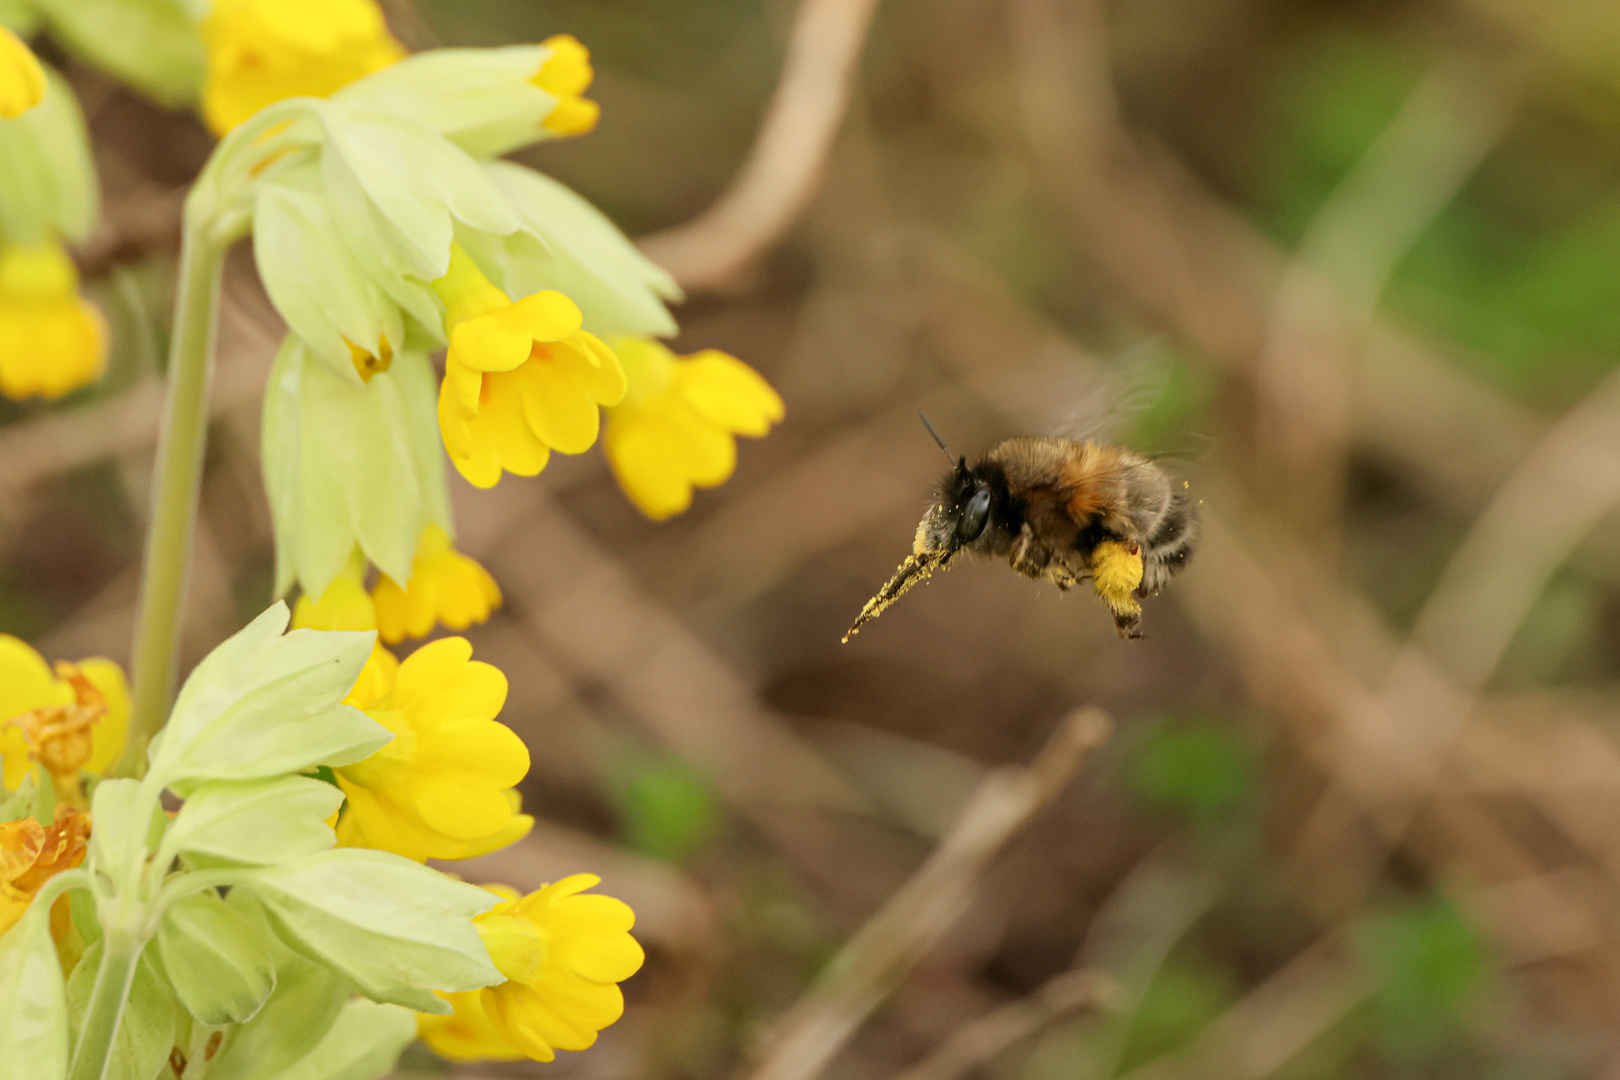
(1057, 510)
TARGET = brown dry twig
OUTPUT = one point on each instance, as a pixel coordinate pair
(786, 161)
(881, 953)
(989, 1035)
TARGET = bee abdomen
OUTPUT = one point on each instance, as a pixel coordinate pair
(1170, 545)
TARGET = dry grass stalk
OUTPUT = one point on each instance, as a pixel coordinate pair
(879, 956)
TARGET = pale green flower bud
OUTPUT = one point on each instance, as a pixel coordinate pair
(47, 180)
(349, 464)
(398, 190)
(152, 45)
(566, 244)
(326, 297)
(489, 102)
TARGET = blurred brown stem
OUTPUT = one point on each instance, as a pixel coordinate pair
(989, 1035)
(785, 164)
(873, 962)
(1329, 293)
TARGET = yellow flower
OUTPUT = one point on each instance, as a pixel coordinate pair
(51, 338)
(674, 430)
(261, 51)
(445, 586)
(443, 788)
(31, 854)
(22, 80)
(563, 955)
(345, 605)
(520, 380)
(57, 711)
(566, 75)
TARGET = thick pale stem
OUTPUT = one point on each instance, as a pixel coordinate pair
(120, 952)
(174, 493)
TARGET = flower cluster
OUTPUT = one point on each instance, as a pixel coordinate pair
(315, 773)
(52, 341)
(244, 911)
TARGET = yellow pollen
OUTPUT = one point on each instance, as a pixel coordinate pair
(1116, 571)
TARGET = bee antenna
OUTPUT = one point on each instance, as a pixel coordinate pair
(923, 417)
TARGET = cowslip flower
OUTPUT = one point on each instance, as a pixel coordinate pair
(345, 605)
(354, 473)
(52, 340)
(72, 720)
(443, 788)
(22, 80)
(676, 427)
(445, 586)
(563, 954)
(486, 101)
(521, 379)
(260, 51)
(31, 854)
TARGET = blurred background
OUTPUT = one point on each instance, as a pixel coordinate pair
(1350, 267)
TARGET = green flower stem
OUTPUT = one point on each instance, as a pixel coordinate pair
(182, 437)
(119, 953)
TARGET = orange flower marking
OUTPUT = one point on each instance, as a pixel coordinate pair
(31, 854)
(59, 735)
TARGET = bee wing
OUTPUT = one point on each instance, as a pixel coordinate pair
(1071, 398)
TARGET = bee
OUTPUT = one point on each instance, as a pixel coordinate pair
(1057, 510)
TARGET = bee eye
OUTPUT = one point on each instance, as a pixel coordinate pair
(974, 515)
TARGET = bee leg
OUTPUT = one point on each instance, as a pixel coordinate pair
(1029, 556)
(1062, 576)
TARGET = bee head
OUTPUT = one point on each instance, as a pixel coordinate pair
(959, 513)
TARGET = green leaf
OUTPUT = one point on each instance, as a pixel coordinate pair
(258, 822)
(396, 928)
(1431, 967)
(216, 959)
(669, 809)
(146, 1030)
(33, 1006)
(1200, 768)
(363, 1044)
(264, 705)
(307, 1000)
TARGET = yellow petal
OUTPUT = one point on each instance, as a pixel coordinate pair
(467, 1033)
(728, 393)
(708, 453)
(22, 80)
(557, 408)
(648, 465)
(547, 316)
(503, 423)
(112, 730)
(496, 341)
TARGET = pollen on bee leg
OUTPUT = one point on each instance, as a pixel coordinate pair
(1116, 571)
